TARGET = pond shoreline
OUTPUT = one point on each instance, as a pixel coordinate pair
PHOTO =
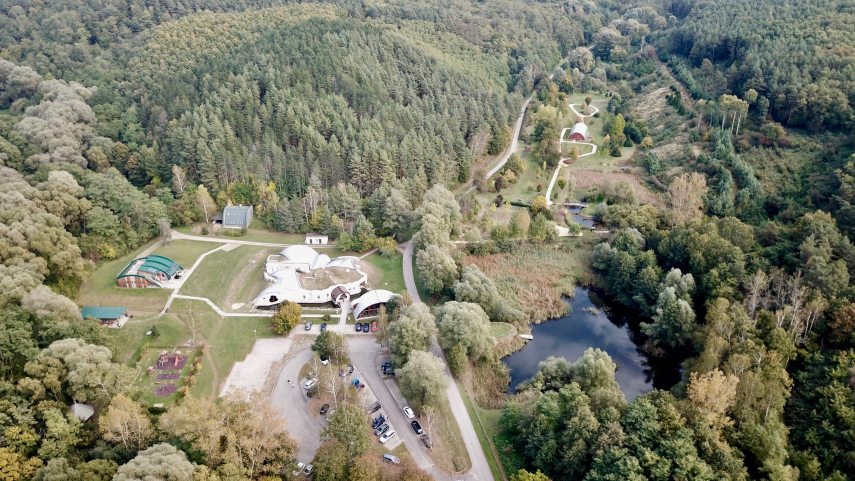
(592, 320)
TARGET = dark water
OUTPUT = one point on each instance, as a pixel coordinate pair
(604, 328)
(576, 215)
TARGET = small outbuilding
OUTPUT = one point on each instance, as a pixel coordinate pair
(106, 315)
(579, 133)
(237, 216)
(317, 239)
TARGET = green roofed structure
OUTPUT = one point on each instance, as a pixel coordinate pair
(106, 315)
(150, 271)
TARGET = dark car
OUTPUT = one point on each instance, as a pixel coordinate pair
(416, 427)
(426, 440)
(325, 409)
(381, 429)
(349, 369)
(323, 326)
(312, 391)
(378, 421)
(374, 408)
(364, 327)
(358, 327)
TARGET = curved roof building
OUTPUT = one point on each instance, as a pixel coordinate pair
(150, 271)
(370, 302)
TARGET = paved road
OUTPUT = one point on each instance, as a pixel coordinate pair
(480, 468)
(363, 353)
(291, 402)
(219, 240)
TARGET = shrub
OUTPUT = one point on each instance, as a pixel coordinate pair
(286, 318)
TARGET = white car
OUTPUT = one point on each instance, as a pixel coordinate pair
(386, 436)
(309, 384)
(408, 411)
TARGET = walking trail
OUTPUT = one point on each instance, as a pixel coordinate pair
(561, 140)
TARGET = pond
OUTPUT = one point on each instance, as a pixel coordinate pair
(591, 323)
(584, 220)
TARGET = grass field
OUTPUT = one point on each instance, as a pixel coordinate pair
(229, 277)
(184, 252)
(449, 451)
(100, 289)
(501, 329)
(223, 341)
(387, 273)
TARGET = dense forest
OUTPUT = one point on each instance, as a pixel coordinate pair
(363, 120)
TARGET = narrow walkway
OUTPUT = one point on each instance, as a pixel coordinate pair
(561, 163)
(177, 284)
(178, 235)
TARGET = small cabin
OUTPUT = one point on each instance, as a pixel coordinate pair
(317, 239)
(579, 133)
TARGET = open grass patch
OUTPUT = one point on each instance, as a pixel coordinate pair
(127, 343)
(501, 329)
(387, 272)
(227, 277)
(536, 276)
(184, 252)
(101, 290)
(223, 341)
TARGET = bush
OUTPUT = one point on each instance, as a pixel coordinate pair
(286, 318)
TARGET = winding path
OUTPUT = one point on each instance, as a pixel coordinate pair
(480, 470)
(561, 140)
(515, 137)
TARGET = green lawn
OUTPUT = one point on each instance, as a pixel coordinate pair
(228, 277)
(501, 329)
(389, 272)
(449, 450)
(225, 340)
(100, 289)
(185, 252)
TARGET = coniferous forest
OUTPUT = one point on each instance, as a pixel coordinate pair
(375, 123)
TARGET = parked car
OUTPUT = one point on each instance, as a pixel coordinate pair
(355, 382)
(308, 325)
(349, 369)
(312, 391)
(381, 429)
(385, 437)
(374, 408)
(416, 427)
(426, 440)
(325, 409)
(300, 466)
(308, 470)
(358, 326)
(391, 459)
(408, 411)
(323, 326)
(379, 420)
(325, 360)
(310, 383)
(373, 326)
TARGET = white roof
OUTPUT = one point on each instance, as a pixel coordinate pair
(300, 254)
(371, 298)
(321, 261)
(82, 411)
(580, 128)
